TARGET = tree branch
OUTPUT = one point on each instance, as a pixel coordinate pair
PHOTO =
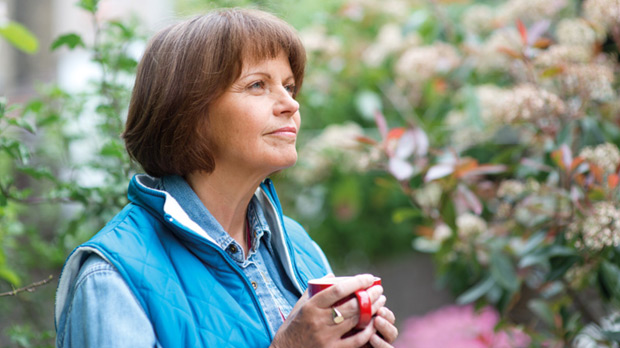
(28, 288)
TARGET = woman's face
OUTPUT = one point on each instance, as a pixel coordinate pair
(254, 124)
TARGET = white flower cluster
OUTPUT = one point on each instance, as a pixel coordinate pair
(470, 225)
(503, 210)
(558, 55)
(510, 189)
(429, 195)
(421, 63)
(492, 101)
(530, 103)
(389, 41)
(606, 156)
(357, 9)
(337, 143)
(523, 103)
(576, 32)
(463, 134)
(600, 229)
(578, 275)
(605, 13)
(596, 80)
(315, 39)
(490, 56)
(528, 10)
(441, 233)
(478, 19)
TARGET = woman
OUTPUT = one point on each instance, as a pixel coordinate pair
(202, 256)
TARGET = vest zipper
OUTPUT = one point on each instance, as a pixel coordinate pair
(274, 201)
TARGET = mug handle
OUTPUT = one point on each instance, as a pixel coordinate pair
(363, 299)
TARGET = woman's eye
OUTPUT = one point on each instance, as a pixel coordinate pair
(291, 89)
(257, 85)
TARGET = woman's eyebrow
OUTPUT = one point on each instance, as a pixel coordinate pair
(265, 74)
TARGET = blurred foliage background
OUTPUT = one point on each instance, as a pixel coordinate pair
(466, 128)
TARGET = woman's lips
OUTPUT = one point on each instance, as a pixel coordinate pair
(285, 131)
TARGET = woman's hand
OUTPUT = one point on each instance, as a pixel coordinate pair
(311, 324)
(386, 330)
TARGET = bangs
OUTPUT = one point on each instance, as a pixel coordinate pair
(261, 36)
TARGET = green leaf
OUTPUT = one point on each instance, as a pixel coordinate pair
(448, 212)
(542, 310)
(23, 124)
(472, 108)
(20, 37)
(2, 107)
(15, 149)
(477, 291)
(10, 276)
(70, 40)
(126, 63)
(401, 215)
(542, 255)
(89, 5)
(127, 32)
(38, 173)
(560, 265)
(113, 149)
(503, 271)
(610, 274)
(533, 242)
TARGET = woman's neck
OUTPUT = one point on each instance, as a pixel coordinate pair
(226, 196)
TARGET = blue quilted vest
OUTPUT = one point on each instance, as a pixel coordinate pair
(190, 289)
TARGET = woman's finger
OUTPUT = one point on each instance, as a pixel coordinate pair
(388, 331)
(343, 289)
(377, 305)
(377, 342)
(360, 338)
(387, 314)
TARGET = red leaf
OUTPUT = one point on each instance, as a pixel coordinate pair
(365, 140)
(597, 172)
(522, 31)
(465, 166)
(510, 52)
(440, 85)
(556, 156)
(484, 169)
(576, 162)
(425, 231)
(612, 181)
(543, 42)
(395, 133)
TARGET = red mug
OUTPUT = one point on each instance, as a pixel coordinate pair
(363, 299)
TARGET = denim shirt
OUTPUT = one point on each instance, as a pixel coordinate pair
(101, 296)
(276, 293)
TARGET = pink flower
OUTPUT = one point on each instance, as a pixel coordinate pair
(459, 327)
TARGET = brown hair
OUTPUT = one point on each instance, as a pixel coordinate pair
(184, 69)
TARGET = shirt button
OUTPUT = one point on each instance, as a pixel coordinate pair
(233, 249)
(254, 285)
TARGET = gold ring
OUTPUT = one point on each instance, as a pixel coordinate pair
(337, 316)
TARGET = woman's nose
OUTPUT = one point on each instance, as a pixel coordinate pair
(286, 105)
